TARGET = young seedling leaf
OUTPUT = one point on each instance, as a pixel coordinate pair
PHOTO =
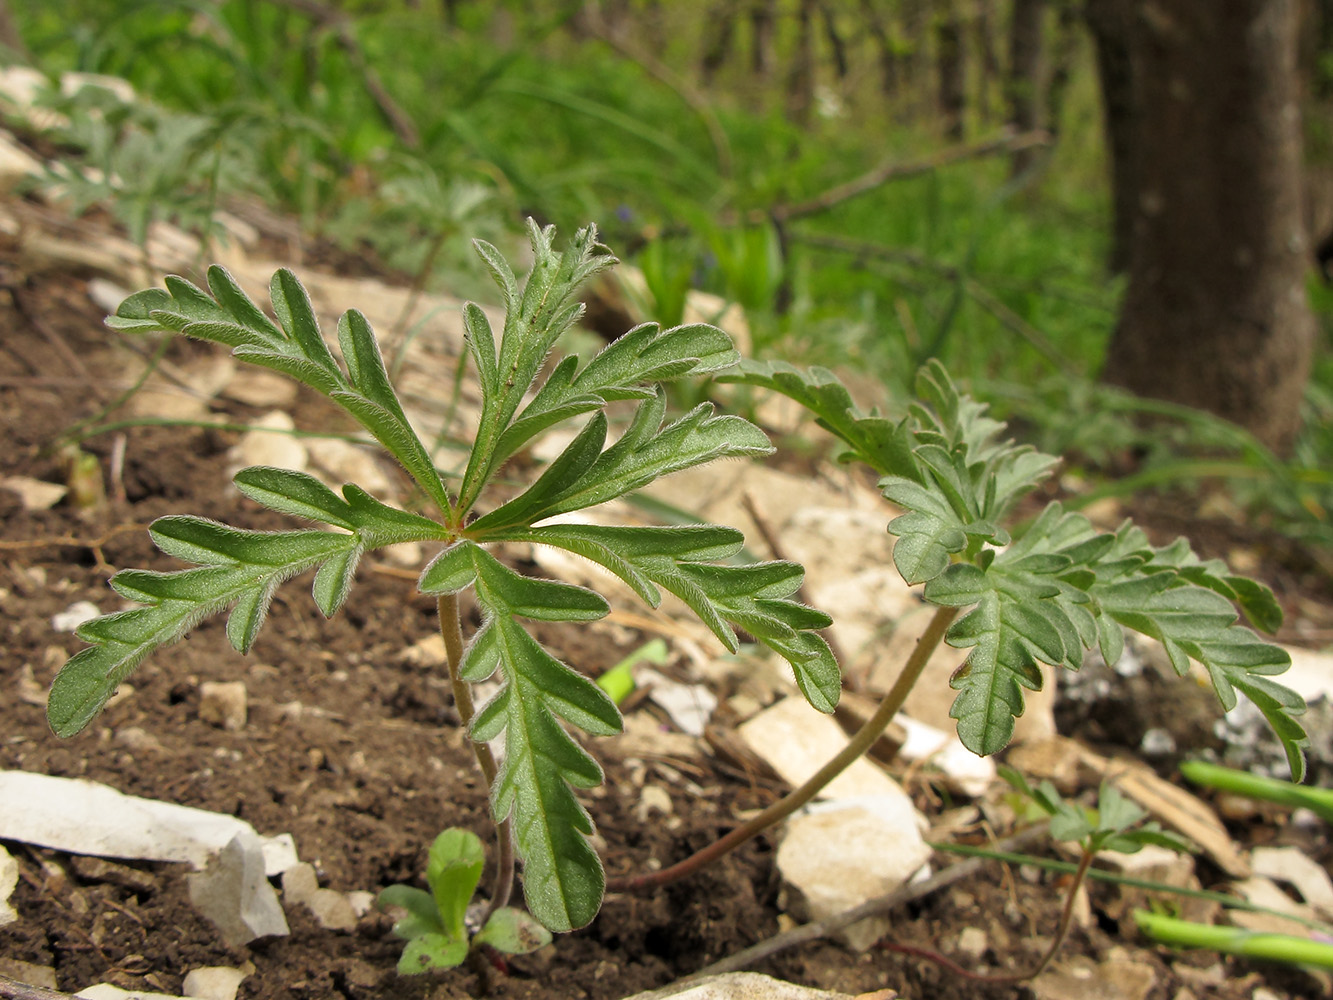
(544, 310)
(431, 951)
(240, 569)
(513, 932)
(885, 446)
(423, 917)
(453, 869)
(295, 347)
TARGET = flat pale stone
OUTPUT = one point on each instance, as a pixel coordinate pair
(863, 604)
(342, 462)
(797, 741)
(223, 704)
(74, 616)
(26, 972)
(1282, 864)
(1310, 674)
(35, 494)
(843, 854)
(233, 892)
(963, 770)
(213, 982)
(9, 880)
(259, 387)
(1082, 979)
(105, 991)
(266, 445)
(84, 817)
(738, 986)
(332, 909)
(972, 942)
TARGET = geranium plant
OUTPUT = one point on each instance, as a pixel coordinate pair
(533, 782)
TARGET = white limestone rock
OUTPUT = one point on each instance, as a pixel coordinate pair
(213, 982)
(846, 853)
(738, 986)
(233, 892)
(224, 704)
(9, 880)
(797, 741)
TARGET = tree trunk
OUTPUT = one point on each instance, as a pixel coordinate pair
(762, 17)
(835, 40)
(987, 60)
(1109, 22)
(10, 38)
(1063, 51)
(888, 55)
(719, 29)
(949, 63)
(1023, 85)
(1215, 314)
(800, 83)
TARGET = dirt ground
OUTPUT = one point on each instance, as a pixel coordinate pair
(357, 753)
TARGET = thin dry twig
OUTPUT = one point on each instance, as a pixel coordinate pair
(340, 24)
(687, 92)
(70, 541)
(12, 989)
(872, 908)
(892, 170)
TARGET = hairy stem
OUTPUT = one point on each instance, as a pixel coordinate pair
(784, 807)
(451, 630)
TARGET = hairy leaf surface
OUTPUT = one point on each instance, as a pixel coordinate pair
(294, 346)
(563, 878)
(240, 569)
(681, 560)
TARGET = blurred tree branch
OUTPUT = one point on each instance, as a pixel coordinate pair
(597, 26)
(340, 24)
(892, 170)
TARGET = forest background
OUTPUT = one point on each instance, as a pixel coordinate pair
(1060, 200)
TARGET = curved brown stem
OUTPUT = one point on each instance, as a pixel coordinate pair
(1061, 932)
(451, 630)
(780, 810)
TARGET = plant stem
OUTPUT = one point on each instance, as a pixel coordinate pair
(1061, 932)
(451, 630)
(1235, 940)
(1101, 875)
(1253, 786)
(910, 892)
(780, 810)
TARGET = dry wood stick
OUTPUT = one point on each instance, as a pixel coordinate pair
(892, 170)
(871, 908)
(12, 989)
